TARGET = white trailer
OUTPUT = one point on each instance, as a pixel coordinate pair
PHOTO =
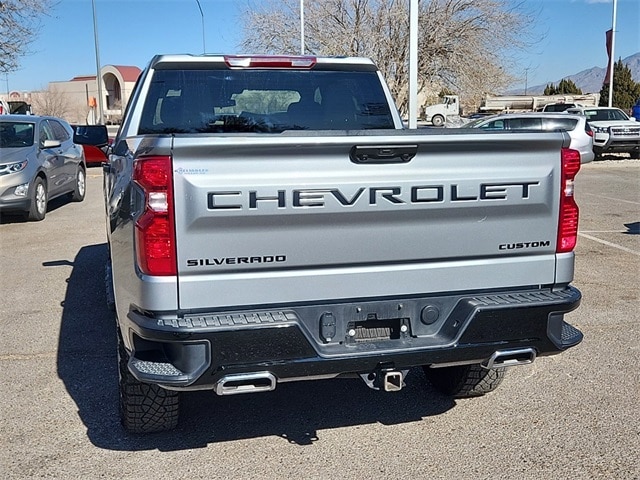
(527, 103)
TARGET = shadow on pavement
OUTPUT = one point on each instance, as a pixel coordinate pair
(294, 412)
(18, 217)
(632, 228)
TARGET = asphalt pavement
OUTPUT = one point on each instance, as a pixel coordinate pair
(575, 415)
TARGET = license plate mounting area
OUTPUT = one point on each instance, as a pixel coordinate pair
(377, 330)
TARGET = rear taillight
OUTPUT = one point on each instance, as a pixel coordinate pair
(155, 236)
(588, 130)
(568, 222)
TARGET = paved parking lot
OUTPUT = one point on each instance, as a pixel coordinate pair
(570, 416)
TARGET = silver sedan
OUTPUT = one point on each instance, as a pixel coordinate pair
(575, 125)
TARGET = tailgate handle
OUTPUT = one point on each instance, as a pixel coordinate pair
(383, 153)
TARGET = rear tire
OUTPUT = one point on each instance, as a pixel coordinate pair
(464, 381)
(81, 186)
(144, 408)
(39, 200)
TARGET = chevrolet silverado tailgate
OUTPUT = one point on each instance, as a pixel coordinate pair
(265, 219)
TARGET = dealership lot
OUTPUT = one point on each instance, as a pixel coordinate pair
(570, 416)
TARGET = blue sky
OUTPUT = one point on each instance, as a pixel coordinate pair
(130, 32)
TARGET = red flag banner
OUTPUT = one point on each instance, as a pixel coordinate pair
(609, 35)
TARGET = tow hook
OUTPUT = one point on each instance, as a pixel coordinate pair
(387, 379)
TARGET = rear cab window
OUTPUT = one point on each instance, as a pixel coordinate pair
(601, 115)
(558, 107)
(263, 101)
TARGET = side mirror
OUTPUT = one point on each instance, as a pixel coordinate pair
(51, 144)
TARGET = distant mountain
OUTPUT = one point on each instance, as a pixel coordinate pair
(590, 80)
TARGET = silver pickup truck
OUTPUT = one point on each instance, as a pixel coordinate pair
(269, 220)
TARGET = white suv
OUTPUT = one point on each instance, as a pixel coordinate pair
(613, 130)
(575, 125)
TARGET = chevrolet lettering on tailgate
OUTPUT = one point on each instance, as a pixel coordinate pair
(418, 194)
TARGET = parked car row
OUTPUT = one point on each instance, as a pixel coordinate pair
(42, 158)
(594, 131)
(575, 125)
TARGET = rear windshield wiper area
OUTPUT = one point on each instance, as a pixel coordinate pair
(228, 123)
(247, 122)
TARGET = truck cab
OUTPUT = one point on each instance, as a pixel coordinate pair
(437, 114)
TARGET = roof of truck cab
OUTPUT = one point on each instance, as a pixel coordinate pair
(199, 61)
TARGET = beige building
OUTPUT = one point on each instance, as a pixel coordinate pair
(76, 100)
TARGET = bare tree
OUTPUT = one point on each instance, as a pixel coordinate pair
(19, 21)
(51, 102)
(466, 46)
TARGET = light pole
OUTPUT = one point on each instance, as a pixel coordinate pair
(204, 48)
(526, 79)
(98, 74)
(413, 64)
(301, 27)
(612, 57)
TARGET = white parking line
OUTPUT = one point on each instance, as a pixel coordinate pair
(610, 198)
(609, 244)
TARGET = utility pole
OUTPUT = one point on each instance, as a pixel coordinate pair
(98, 73)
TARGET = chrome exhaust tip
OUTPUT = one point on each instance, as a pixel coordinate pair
(510, 358)
(245, 383)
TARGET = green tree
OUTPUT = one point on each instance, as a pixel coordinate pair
(625, 90)
(565, 87)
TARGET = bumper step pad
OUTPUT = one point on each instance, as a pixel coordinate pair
(570, 335)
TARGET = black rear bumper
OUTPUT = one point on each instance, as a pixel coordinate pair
(299, 342)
